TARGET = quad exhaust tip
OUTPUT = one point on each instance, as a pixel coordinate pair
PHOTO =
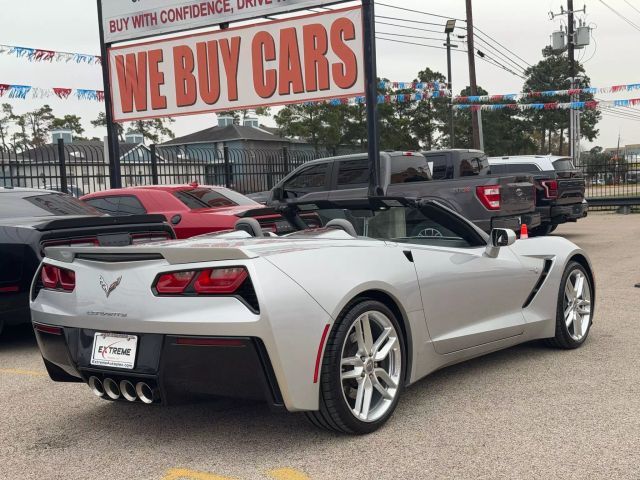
(145, 393)
(128, 390)
(96, 386)
(111, 388)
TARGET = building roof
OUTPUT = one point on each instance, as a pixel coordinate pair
(228, 133)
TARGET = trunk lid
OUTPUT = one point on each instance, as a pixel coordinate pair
(517, 195)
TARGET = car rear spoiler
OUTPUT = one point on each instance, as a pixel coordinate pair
(88, 221)
(174, 255)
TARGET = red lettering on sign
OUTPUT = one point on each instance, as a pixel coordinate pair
(231, 59)
(316, 65)
(132, 80)
(208, 71)
(290, 66)
(156, 78)
(345, 74)
(263, 49)
(183, 64)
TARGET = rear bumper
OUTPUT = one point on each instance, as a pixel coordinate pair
(512, 222)
(237, 367)
(569, 213)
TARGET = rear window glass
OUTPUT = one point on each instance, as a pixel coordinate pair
(42, 205)
(353, 172)
(118, 205)
(311, 177)
(439, 166)
(563, 164)
(205, 198)
(405, 169)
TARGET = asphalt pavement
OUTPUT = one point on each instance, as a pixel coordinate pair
(526, 412)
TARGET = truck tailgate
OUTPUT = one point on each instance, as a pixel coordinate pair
(571, 187)
(518, 195)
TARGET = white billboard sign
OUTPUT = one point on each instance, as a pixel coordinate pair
(306, 58)
(130, 19)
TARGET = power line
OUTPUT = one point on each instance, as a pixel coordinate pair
(620, 15)
(414, 43)
(410, 27)
(505, 57)
(421, 22)
(420, 11)
(410, 36)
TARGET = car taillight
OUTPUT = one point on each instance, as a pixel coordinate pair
(56, 278)
(174, 282)
(489, 196)
(550, 188)
(220, 280)
(139, 238)
(209, 281)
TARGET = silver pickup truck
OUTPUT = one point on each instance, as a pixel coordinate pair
(459, 179)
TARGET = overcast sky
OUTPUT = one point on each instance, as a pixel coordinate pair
(522, 25)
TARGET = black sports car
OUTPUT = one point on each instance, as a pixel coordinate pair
(32, 219)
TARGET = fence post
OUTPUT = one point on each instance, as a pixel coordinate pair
(154, 164)
(285, 158)
(63, 166)
(227, 167)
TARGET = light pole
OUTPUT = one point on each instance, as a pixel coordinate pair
(448, 29)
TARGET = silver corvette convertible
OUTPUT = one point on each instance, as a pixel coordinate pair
(333, 321)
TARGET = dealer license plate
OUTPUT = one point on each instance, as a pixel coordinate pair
(114, 350)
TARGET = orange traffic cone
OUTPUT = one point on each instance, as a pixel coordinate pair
(524, 232)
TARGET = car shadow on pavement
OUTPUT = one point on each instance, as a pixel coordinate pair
(17, 337)
(231, 427)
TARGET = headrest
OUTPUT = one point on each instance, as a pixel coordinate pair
(249, 225)
(342, 224)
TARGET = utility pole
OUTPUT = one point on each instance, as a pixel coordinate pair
(572, 74)
(449, 27)
(472, 74)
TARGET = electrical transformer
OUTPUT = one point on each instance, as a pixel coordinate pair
(559, 41)
(583, 37)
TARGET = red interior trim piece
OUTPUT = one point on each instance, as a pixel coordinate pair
(10, 289)
(47, 329)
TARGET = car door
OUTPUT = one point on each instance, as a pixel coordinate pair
(469, 298)
(311, 182)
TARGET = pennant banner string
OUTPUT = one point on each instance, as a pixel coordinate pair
(547, 93)
(23, 92)
(41, 55)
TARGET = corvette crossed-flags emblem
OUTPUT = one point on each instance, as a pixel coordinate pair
(109, 288)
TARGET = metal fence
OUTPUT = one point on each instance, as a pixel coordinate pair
(82, 167)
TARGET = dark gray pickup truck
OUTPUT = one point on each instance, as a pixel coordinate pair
(459, 179)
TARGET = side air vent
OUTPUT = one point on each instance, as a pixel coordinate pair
(539, 283)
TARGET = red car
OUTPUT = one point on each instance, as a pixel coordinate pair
(191, 209)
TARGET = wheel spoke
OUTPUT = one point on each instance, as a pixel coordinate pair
(383, 391)
(567, 312)
(584, 307)
(579, 286)
(351, 374)
(382, 374)
(355, 361)
(366, 331)
(381, 339)
(384, 351)
(577, 325)
(363, 398)
(362, 349)
(569, 317)
(569, 292)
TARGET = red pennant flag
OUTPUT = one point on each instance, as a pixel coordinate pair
(495, 97)
(100, 95)
(4, 88)
(62, 92)
(618, 88)
(574, 91)
(43, 55)
(551, 106)
(591, 104)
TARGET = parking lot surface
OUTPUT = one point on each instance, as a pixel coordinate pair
(527, 412)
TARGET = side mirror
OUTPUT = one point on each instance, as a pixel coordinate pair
(500, 237)
(277, 194)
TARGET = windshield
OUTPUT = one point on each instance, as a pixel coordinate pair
(203, 197)
(18, 205)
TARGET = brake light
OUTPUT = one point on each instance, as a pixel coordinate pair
(55, 278)
(489, 196)
(175, 282)
(139, 238)
(408, 154)
(47, 329)
(220, 280)
(76, 242)
(550, 188)
(209, 281)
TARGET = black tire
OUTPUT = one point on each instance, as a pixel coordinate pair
(335, 413)
(542, 230)
(563, 338)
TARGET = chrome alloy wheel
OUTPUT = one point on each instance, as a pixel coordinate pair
(577, 305)
(371, 366)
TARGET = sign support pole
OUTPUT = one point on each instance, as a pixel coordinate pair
(113, 147)
(371, 95)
